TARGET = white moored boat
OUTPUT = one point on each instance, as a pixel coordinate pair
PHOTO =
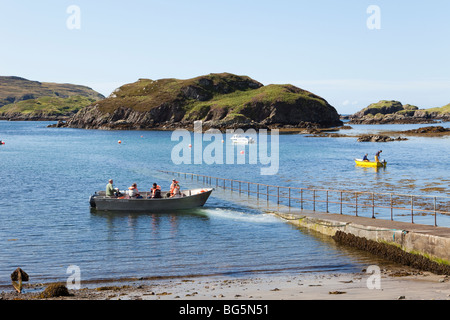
(187, 200)
(237, 138)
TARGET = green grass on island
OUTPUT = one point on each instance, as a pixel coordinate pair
(53, 106)
(198, 96)
(384, 107)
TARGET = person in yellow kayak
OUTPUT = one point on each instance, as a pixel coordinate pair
(365, 157)
(377, 156)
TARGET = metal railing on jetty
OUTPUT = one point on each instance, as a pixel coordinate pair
(360, 203)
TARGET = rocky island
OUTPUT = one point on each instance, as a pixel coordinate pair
(388, 112)
(220, 100)
(22, 99)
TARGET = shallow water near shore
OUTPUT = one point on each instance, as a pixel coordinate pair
(48, 174)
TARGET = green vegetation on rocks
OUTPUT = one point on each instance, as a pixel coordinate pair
(220, 100)
(22, 99)
(45, 108)
(15, 89)
(445, 110)
(393, 111)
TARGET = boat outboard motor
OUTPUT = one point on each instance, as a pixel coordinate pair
(92, 201)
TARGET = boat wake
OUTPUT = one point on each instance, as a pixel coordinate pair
(241, 216)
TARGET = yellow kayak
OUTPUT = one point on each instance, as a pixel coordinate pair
(362, 163)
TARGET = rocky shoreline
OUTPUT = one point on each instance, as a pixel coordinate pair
(382, 136)
(303, 127)
(395, 120)
(396, 283)
(394, 112)
(221, 101)
(37, 117)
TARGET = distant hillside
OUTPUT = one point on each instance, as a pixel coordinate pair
(15, 89)
(21, 98)
(391, 111)
(44, 108)
(221, 100)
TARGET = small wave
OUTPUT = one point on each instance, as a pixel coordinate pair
(235, 215)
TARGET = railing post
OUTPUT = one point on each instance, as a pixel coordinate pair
(314, 200)
(278, 197)
(257, 191)
(248, 189)
(373, 206)
(356, 203)
(239, 187)
(267, 191)
(435, 213)
(289, 196)
(301, 198)
(412, 209)
(341, 202)
(327, 201)
(392, 210)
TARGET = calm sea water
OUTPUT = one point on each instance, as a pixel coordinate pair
(48, 174)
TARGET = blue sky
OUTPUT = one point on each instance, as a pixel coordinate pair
(323, 46)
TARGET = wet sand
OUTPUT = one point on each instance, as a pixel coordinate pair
(398, 284)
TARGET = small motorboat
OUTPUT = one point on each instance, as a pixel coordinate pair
(237, 138)
(362, 163)
(187, 200)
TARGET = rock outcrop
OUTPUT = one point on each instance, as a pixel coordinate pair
(378, 138)
(388, 112)
(220, 100)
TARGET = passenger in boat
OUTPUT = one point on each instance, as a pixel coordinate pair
(377, 156)
(156, 191)
(110, 191)
(133, 191)
(172, 186)
(175, 189)
(365, 157)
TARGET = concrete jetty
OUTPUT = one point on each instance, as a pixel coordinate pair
(432, 242)
(428, 242)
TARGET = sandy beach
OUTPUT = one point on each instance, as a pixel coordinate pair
(398, 284)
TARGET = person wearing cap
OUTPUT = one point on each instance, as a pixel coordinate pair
(176, 191)
(174, 188)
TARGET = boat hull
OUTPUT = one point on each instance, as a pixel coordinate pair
(191, 199)
(370, 163)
